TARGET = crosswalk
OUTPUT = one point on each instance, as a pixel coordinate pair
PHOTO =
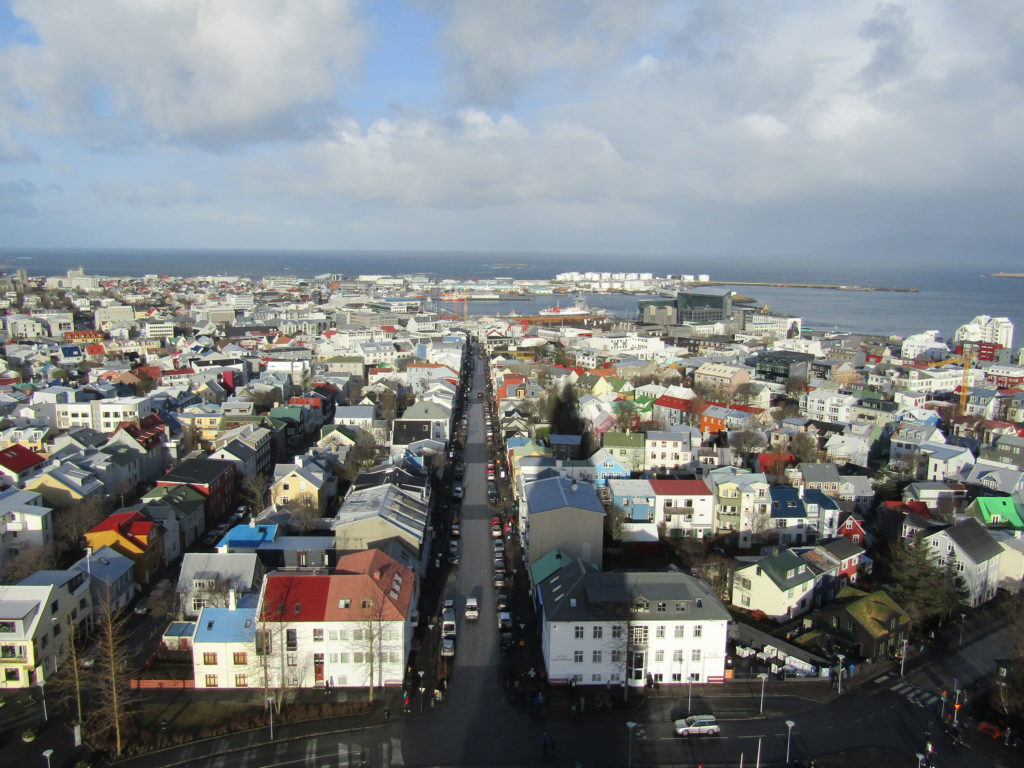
(913, 693)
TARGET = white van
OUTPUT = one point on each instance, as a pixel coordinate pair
(472, 609)
(448, 624)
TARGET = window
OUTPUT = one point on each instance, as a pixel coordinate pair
(578, 633)
(677, 656)
(333, 635)
(695, 654)
(695, 677)
(293, 660)
(11, 675)
(284, 486)
(659, 631)
(344, 603)
(291, 640)
(638, 635)
(598, 633)
(662, 607)
(264, 642)
(198, 603)
(209, 659)
(596, 678)
(745, 600)
(698, 630)
(240, 658)
(659, 657)
(343, 658)
(367, 603)
(616, 657)
(577, 657)
(318, 635)
(596, 657)
(677, 677)
(616, 632)
(241, 681)
(680, 631)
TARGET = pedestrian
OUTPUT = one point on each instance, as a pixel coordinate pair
(544, 743)
(573, 711)
(387, 714)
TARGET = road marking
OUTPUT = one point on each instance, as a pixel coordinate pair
(899, 687)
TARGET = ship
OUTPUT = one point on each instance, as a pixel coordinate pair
(578, 307)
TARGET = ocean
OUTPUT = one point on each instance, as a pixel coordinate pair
(951, 289)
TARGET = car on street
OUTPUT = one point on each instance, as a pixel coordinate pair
(496, 530)
(479, 395)
(457, 492)
(697, 725)
(448, 647)
(448, 605)
(499, 546)
(141, 608)
(456, 531)
(472, 609)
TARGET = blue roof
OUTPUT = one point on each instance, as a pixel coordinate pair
(556, 492)
(819, 497)
(786, 502)
(180, 629)
(516, 442)
(554, 439)
(223, 625)
(248, 535)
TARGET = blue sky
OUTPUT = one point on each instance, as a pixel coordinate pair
(653, 126)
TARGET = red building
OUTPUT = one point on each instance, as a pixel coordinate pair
(214, 479)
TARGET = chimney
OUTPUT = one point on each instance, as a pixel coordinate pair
(231, 599)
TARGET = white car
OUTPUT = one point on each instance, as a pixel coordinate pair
(697, 725)
(472, 609)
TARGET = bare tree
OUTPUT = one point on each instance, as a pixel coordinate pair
(615, 522)
(746, 443)
(305, 510)
(255, 488)
(29, 560)
(375, 642)
(111, 705)
(69, 682)
(72, 523)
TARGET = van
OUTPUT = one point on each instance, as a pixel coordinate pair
(472, 609)
(448, 628)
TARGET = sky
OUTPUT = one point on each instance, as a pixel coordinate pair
(582, 126)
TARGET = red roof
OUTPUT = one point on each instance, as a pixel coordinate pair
(295, 597)
(680, 488)
(17, 458)
(675, 403)
(131, 525)
(95, 349)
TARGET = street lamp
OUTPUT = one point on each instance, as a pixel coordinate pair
(903, 658)
(764, 677)
(47, 753)
(920, 760)
(270, 703)
(789, 732)
(963, 617)
(629, 747)
(842, 658)
(42, 694)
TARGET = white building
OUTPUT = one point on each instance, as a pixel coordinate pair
(993, 330)
(926, 344)
(972, 553)
(103, 415)
(607, 628)
(24, 522)
(349, 629)
(827, 405)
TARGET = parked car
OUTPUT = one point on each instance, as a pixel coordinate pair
(448, 647)
(456, 531)
(457, 492)
(499, 578)
(141, 608)
(697, 725)
(504, 620)
(501, 601)
(499, 546)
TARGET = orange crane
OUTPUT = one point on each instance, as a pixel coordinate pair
(965, 383)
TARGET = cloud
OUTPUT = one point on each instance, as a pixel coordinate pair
(17, 198)
(151, 195)
(891, 30)
(495, 52)
(188, 70)
(469, 161)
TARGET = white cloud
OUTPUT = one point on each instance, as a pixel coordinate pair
(199, 70)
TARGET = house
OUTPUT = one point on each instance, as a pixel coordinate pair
(997, 512)
(721, 377)
(780, 586)
(206, 579)
(188, 507)
(135, 536)
(64, 484)
(742, 502)
(346, 629)
(372, 516)
(214, 480)
(627, 447)
(560, 513)
(617, 627)
(866, 625)
(972, 553)
(606, 467)
(819, 476)
(24, 522)
(36, 620)
(853, 530)
(799, 518)
(670, 450)
(111, 577)
(18, 465)
(306, 482)
(684, 507)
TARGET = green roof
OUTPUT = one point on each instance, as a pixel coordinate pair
(623, 440)
(551, 563)
(874, 610)
(999, 510)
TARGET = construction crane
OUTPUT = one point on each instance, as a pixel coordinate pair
(965, 383)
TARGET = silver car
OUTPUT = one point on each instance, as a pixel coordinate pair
(697, 725)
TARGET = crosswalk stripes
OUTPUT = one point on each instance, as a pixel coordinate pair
(914, 694)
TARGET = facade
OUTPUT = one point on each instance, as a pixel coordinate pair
(742, 502)
(972, 553)
(685, 507)
(135, 536)
(24, 522)
(562, 514)
(780, 586)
